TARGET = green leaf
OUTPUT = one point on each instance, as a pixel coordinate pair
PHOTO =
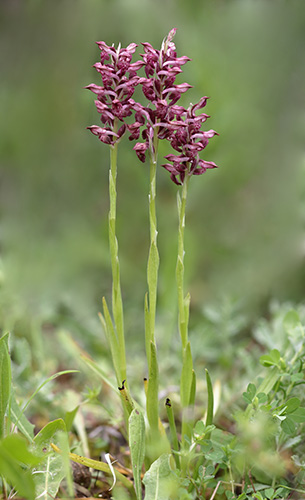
(14, 474)
(291, 321)
(99, 371)
(288, 426)
(160, 481)
(152, 400)
(69, 417)
(298, 415)
(52, 377)
(247, 398)
(14, 456)
(50, 471)
(18, 418)
(262, 397)
(63, 441)
(292, 404)
(186, 376)
(251, 390)
(271, 359)
(113, 342)
(152, 267)
(137, 447)
(269, 381)
(210, 410)
(5, 380)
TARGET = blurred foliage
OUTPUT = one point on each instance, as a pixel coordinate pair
(244, 220)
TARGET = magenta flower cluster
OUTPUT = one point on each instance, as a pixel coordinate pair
(162, 118)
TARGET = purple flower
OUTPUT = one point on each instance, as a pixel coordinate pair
(114, 96)
(161, 69)
(187, 138)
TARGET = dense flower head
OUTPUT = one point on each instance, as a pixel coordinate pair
(114, 97)
(189, 140)
(161, 69)
(162, 118)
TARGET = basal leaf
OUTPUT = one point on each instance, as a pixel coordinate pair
(160, 481)
(50, 472)
(137, 447)
(15, 460)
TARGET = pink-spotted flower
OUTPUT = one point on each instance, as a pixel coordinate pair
(189, 140)
(114, 97)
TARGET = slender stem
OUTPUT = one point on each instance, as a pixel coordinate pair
(117, 304)
(183, 312)
(153, 258)
(152, 403)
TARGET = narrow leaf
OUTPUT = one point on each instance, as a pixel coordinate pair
(210, 410)
(269, 381)
(152, 402)
(113, 342)
(18, 418)
(99, 371)
(186, 376)
(5, 380)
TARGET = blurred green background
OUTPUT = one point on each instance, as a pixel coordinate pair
(244, 221)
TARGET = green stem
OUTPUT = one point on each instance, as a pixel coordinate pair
(182, 308)
(152, 406)
(153, 257)
(117, 304)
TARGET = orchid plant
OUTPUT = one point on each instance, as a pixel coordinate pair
(161, 117)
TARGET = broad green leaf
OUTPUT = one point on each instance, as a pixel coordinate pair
(17, 447)
(5, 380)
(50, 472)
(14, 457)
(292, 404)
(271, 359)
(18, 418)
(291, 321)
(262, 397)
(160, 481)
(247, 398)
(288, 426)
(251, 390)
(137, 447)
(298, 415)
